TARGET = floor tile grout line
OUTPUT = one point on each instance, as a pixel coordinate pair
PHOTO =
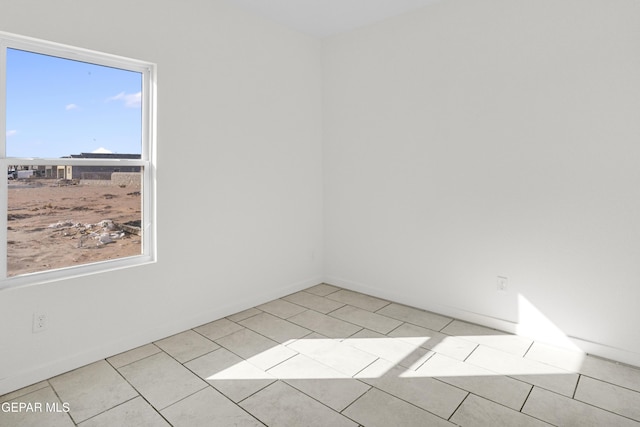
(284, 300)
(353, 305)
(118, 373)
(236, 321)
(637, 420)
(596, 406)
(362, 328)
(239, 356)
(526, 398)
(459, 405)
(226, 335)
(316, 295)
(324, 404)
(355, 400)
(57, 396)
(152, 407)
(47, 384)
(199, 355)
(252, 364)
(399, 326)
(410, 403)
(109, 409)
(423, 327)
(134, 361)
(324, 314)
(220, 391)
(333, 311)
(588, 404)
(386, 305)
(609, 382)
(179, 363)
(182, 332)
(345, 304)
(469, 355)
(185, 397)
(271, 339)
(396, 364)
(412, 323)
(532, 416)
(320, 312)
(512, 409)
(302, 392)
(377, 358)
(338, 289)
(528, 349)
(226, 397)
(311, 294)
(328, 366)
(284, 320)
(140, 394)
(513, 376)
(449, 319)
(433, 353)
(381, 315)
(480, 396)
(575, 389)
(445, 326)
(280, 363)
(182, 364)
(255, 392)
(351, 323)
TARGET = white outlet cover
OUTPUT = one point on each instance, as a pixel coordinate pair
(502, 284)
(39, 322)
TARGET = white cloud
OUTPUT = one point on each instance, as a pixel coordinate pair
(11, 132)
(71, 107)
(130, 100)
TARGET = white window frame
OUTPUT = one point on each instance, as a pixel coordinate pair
(147, 159)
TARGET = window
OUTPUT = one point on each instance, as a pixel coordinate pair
(78, 147)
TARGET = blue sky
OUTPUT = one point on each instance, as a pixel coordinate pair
(57, 107)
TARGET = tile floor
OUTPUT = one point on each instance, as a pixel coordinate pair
(331, 357)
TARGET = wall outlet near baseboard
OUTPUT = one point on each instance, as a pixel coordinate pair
(39, 322)
(502, 284)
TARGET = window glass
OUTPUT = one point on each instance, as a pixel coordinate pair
(57, 107)
(56, 221)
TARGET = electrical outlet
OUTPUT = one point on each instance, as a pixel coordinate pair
(39, 322)
(502, 284)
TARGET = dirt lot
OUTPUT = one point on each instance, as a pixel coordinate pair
(53, 224)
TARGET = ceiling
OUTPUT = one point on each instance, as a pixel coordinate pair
(322, 18)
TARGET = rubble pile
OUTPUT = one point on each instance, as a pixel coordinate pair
(104, 232)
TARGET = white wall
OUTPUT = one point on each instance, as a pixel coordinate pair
(475, 139)
(239, 107)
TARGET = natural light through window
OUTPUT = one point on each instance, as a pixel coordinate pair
(78, 150)
(372, 358)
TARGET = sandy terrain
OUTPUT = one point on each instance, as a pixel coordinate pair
(53, 225)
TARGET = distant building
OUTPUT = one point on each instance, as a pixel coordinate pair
(95, 172)
(76, 172)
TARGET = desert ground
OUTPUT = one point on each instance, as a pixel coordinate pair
(53, 224)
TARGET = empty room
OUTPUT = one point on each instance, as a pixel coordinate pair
(320, 213)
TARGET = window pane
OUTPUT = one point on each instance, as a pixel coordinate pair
(56, 220)
(57, 107)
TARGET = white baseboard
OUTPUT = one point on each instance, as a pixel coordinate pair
(52, 368)
(587, 346)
